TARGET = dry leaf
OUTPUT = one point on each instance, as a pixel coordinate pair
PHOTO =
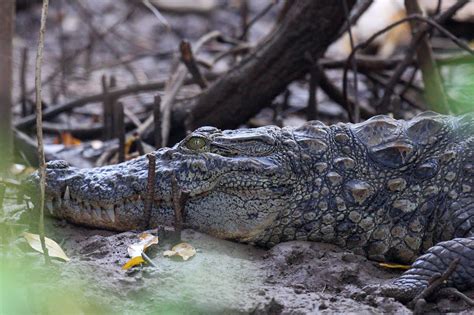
(146, 240)
(133, 262)
(184, 250)
(394, 266)
(20, 169)
(128, 144)
(54, 250)
(135, 250)
(67, 139)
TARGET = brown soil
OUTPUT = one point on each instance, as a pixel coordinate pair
(225, 277)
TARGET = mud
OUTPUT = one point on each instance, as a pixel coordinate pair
(224, 277)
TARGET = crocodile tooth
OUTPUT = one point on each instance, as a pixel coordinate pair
(96, 211)
(116, 210)
(96, 214)
(110, 213)
(87, 215)
(67, 194)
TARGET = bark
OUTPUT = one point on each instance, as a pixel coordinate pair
(307, 29)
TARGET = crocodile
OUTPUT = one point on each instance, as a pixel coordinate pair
(388, 189)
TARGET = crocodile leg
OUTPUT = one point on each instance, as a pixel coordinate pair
(434, 262)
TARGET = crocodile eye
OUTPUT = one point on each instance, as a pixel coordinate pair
(196, 143)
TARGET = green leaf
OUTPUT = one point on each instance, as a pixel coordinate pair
(458, 79)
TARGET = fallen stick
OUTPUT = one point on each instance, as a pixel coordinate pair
(435, 283)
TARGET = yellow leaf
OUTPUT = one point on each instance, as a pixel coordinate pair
(54, 250)
(146, 240)
(133, 262)
(135, 250)
(184, 250)
(394, 266)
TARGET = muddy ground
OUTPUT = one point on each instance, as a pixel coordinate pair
(223, 277)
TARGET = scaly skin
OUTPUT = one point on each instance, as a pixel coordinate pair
(386, 189)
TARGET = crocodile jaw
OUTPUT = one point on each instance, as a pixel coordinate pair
(232, 198)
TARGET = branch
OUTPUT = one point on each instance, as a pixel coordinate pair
(278, 60)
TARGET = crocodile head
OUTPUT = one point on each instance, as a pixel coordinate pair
(237, 183)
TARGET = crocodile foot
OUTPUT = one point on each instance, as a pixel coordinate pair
(456, 254)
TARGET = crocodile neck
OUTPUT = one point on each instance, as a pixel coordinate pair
(387, 214)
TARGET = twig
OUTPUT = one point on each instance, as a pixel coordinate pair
(79, 51)
(312, 107)
(363, 61)
(409, 83)
(107, 110)
(120, 130)
(241, 48)
(56, 110)
(173, 85)
(179, 198)
(438, 7)
(85, 15)
(455, 292)
(89, 55)
(113, 82)
(187, 58)
(150, 189)
(53, 111)
(157, 14)
(157, 121)
(148, 260)
(354, 114)
(435, 283)
(379, 79)
(246, 27)
(62, 47)
(244, 16)
(410, 51)
(132, 58)
(39, 130)
(23, 68)
(335, 94)
(358, 12)
(413, 45)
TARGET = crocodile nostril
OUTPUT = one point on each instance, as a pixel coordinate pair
(58, 164)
